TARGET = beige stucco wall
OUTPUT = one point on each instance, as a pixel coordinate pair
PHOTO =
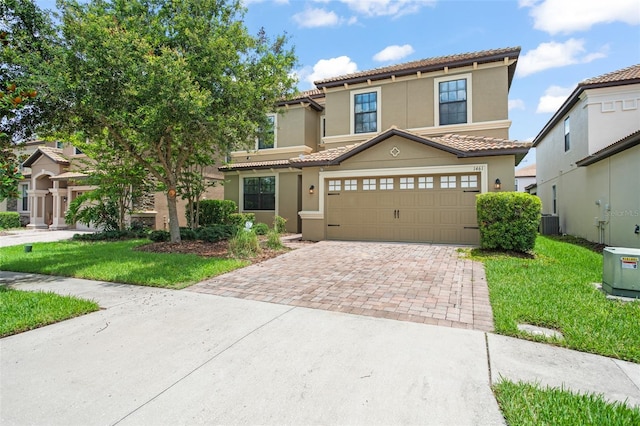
(408, 103)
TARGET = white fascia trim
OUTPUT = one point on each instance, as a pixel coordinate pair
(436, 97)
(242, 175)
(352, 111)
(481, 168)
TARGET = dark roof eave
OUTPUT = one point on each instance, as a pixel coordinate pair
(424, 68)
(624, 144)
(572, 100)
(494, 152)
(313, 104)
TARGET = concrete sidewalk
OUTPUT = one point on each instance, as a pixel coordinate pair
(28, 236)
(156, 356)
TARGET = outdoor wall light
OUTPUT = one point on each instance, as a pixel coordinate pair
(497, 184)
(64, 199)
(312, 189)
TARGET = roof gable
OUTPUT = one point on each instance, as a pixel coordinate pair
(54, 154)
(462, 146)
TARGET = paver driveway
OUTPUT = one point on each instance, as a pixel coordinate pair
(424, 283)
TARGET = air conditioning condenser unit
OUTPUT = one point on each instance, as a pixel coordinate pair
(621, 271)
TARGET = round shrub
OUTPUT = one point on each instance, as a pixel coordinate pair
(260, 228)
(159, 236)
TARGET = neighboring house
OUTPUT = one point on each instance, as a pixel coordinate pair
(588, 158)
(393, 154)
(525, 176)
(53, 178)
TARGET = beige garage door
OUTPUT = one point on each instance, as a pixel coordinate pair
(421, 208)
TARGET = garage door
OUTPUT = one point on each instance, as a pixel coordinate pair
(421, 208)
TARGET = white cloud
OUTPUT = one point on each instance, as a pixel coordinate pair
(516, 104)
(313, 18)
(556, 55)
(567, 16)
(552, 99)
(393, 53)
(326, 68)
(393, 8)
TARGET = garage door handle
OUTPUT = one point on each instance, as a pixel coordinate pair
(330, 224)
(471, 190)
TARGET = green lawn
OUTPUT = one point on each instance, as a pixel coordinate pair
(525, 404)
(115, 262)
(555, 290)
(24, 310)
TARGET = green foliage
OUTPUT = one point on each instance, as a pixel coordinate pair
(114, 235)
(9, 220)
(91, 208)
(188, 234)
(555, 290)
(240, 219)
(244, 244)
(159, 236)
(216, 233)
(508, 220)
(118, 262)
(280, 224)
(24, 310)
(216, 212)
(261, 228)
(273, 240)
(531, 405)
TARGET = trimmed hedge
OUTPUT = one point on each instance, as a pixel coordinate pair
(9, 220)
(239, 219)
(508, 220)
(216, 212)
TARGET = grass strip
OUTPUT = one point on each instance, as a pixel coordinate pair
(25, 310)
(555, 290)
(525, 404)
(115, 262)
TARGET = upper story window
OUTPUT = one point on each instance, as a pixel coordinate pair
(567, 138)
(76, 151)
(453, 102)
(267, 136)
(59, 145)
(365, 106)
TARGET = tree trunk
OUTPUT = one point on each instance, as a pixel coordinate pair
(174, 226)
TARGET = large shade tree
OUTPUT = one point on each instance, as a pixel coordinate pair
(171, 83)
(27, 46)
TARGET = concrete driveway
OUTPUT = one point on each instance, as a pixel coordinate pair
(431, 284)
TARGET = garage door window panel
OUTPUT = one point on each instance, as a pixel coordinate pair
(406, 183)
(470, 181)
(260, 193)
(350, 185)
(425, 182)
(368, 184)
(335, 185)
(447, 182)
(386, 184)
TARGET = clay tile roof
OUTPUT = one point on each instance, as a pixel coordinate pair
(452, 61)
(309, 96)
(528, 171)
(629, 73)
(460, 145)
(54, 154)
(69, 175)
(276, 164)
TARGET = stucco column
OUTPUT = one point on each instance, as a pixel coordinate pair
(59, 206)
(37, 213)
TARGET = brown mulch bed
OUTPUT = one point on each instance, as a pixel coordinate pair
(218, 249)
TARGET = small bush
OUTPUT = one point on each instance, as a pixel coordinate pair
(280, 224)
(261, 228)
(187, 234)
(508, 220)
(244, 244)
(239, 219)
(273, 240)
(111, 235)
(9, 220)
(216, 212)
(216, 233)
(159, 236)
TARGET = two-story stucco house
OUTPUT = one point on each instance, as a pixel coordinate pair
(588, 158)
(392, 154)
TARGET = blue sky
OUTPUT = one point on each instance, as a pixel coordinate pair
(562, 41)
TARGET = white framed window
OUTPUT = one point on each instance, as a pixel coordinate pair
(447, 182)
(350, 184)
(567, 135)
(335, 185)
(452, 104)
(386, 183)
(425, 182)
(266, 138)
(368, 184)
(24, 197)
(407, 182)
(469, 181)
(366, 114)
